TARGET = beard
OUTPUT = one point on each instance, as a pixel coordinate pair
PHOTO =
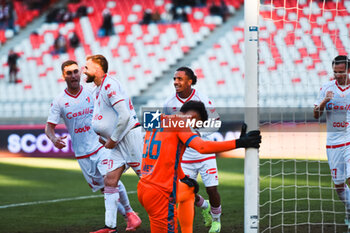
(89, 78)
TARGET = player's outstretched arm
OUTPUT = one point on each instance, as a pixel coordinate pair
(252, 139)
(50, 133)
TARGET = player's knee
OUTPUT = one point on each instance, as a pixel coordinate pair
(111, 181)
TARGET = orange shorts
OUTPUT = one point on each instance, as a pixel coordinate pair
(160, 206)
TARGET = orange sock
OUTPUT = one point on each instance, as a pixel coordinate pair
(185, 208)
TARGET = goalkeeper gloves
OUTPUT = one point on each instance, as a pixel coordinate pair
(250, 139)
(191, 183)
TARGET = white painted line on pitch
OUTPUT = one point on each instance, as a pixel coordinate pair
(56, 200)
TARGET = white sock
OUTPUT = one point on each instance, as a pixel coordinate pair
(205, 204)
(215, 213)
(111, 204)
(124, 200)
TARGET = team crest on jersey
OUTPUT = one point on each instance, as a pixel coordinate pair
(88, 99)
(112, 93)
(66, 105)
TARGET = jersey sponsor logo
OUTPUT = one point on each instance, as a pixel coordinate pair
(82, 130)
(88, 99)
(111, 94)
(211, 171)
(97, 117)
(66, 105)
(85, 111)
(107, 86)
(340, 124)
(333, 106)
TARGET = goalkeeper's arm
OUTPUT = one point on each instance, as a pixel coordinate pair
(251, 139)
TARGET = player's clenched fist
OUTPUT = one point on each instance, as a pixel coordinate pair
(329, 96)
(250, 139)
(59, 142)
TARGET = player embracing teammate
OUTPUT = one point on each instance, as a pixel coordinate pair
(75, 106)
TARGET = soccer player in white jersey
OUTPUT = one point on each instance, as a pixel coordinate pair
(114, 119)
(194, 162)
(75, 106)
(335, 98)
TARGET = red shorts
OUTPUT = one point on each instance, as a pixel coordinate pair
(160, 206)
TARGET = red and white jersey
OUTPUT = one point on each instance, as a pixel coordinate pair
(105, 118)
(173, 105)
(337, 113)
(76, 111)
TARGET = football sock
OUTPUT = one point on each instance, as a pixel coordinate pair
(202, 203)
(124, 200)
(215, 213)
(111, 204)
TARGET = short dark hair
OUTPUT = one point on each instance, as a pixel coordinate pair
(197, 106)
(341, 59)
(68, 63)
(189, 72)
(101, 60)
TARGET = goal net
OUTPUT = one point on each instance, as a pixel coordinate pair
(298, 40)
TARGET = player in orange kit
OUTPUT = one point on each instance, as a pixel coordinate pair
(162, 155)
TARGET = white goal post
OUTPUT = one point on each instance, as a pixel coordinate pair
(251, 163)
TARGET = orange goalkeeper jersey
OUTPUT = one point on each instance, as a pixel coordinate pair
(162, 155)
(163, 150)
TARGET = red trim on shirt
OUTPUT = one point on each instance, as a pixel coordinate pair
(103, 80)
(74, 96)
(188, 99)
(198, 160)
(337, 146)
(117, 102)
(87, 156)
(340, 88)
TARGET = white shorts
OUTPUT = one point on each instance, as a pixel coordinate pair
(208, 170)
(339, 163)
(128, 152)
(94, 168)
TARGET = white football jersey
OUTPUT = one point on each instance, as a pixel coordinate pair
(76, 112)
(337, 113)
(105, 118)
(173, 105)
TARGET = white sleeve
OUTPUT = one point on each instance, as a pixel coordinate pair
(321, 95)
(54, 113)
(123, 120)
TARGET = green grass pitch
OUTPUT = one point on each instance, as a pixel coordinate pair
(32, 180)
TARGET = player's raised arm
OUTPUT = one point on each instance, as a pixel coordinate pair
(251, 139)
(50, 133)
(318, 109)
